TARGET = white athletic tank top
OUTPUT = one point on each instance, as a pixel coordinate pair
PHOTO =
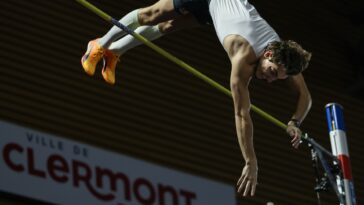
(241, 18)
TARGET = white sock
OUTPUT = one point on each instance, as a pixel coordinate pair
(130, 20)
(127, 42)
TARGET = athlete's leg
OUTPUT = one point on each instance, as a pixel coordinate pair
(151, 33)
(161, 11)
(96, 49)
(130, 20)
(182, 22)
(152, 15)
(157, 13)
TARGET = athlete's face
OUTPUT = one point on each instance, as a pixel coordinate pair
(266, 70)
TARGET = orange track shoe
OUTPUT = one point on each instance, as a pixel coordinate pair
(92, 56)
(108, 70)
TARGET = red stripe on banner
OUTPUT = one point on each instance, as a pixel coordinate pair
(346, 167)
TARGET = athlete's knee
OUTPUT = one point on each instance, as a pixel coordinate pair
(149, 15)
(167, 27)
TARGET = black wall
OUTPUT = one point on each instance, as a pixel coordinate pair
(161, 113)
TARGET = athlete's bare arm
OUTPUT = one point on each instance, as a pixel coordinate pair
(239, 53)
(304, 101)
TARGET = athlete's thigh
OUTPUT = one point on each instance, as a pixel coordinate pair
(161, 11)
(181, 22)
(199, 9)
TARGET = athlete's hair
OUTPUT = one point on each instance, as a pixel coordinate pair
(291, 55)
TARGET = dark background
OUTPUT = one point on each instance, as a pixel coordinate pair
(161, 113)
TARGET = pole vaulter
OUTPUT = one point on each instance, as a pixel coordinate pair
(318, 152)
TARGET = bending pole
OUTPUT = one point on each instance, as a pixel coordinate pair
(176, 60)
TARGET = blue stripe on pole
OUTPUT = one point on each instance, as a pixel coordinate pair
(328, 117)
(334, 112)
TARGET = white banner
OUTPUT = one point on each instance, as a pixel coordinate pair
(52, 169)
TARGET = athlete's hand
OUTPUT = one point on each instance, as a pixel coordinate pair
(295, 133)
(248, 181)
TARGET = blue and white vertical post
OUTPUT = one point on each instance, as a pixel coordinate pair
(339, 147)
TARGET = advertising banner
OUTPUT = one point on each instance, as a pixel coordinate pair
(57, 170)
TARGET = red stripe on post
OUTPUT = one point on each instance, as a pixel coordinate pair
(345, 166)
